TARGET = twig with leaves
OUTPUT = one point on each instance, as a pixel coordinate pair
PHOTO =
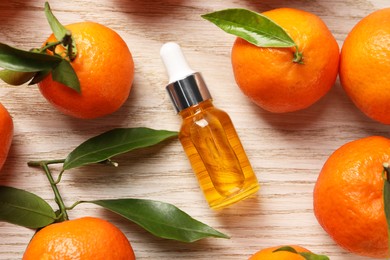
(163, 220)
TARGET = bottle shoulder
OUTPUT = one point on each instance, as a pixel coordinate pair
(202, 109)
(209, 114)
(211, 118)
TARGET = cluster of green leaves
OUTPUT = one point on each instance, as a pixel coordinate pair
(33, 66)
(163, 220)
(306, 255)
(254, 28)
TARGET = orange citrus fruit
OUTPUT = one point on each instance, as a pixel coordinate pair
(348, 196)
(270, 78)
(269, 254)
(6, 134)
(83, 238)
(365, 65)
(105, 68)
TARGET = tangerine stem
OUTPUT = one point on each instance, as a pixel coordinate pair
(58, 198)
(67, 41)
(39, 163)
(298, 56)
(57, 194)
(387, 171)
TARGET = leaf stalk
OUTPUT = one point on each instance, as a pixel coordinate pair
(49, 46)
(75, 204)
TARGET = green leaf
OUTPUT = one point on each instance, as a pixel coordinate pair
(386, 199)
(306, 255)
(23, 208)
(60, 32)
(114, 142)
(251, 26)
(161, 219)
(65, 74)
(312, 256)
(26, 61)
(16, 78)
(286, 248)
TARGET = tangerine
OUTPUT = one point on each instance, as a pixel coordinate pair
(270, 78)
(270, 254)
(6, 134)
(348, 196)
(83, 238)
(104, 67)
(365, 65)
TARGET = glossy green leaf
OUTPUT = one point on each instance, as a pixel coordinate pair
(386, 199)
(312, 256)
(286, 248)
(65, 74)
(114, 142)
(251, 26)
(23, 208)
(26, 61)
(161, 219)
(60, 32)
(16, 78)
(306, 255)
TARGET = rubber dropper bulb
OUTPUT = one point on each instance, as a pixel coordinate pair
(175, 62)
(186, 87)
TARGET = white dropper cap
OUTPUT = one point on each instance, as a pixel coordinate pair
(186, 88)
(175, 62)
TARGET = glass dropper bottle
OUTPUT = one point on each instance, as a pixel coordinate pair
(207, 135)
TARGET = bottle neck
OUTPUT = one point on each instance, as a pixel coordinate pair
(196, 109)
(188, 92)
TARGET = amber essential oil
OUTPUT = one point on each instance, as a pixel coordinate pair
(216, 155)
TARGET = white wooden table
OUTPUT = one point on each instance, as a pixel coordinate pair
(287, 151)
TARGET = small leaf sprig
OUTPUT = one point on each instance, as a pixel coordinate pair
(254, 28)
(306, 255)
(33, 66)
(161, 219)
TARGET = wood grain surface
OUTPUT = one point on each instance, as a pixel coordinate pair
(287, 151)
